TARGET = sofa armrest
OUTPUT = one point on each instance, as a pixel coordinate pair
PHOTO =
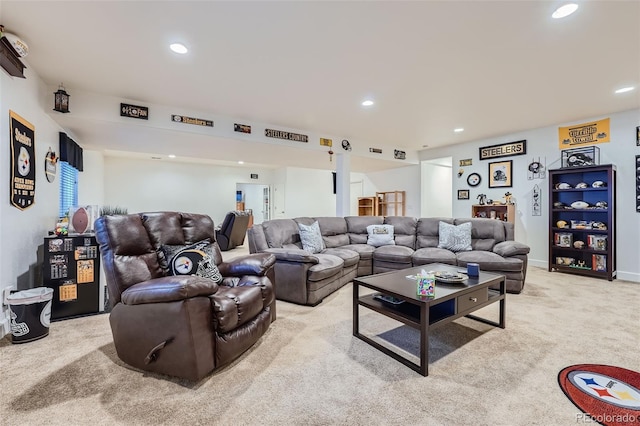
(253, 264)
(293, 255)
(510, 248)
(168, 289)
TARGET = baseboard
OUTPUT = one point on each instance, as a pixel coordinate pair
(621, 275)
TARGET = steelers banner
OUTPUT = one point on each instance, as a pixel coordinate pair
(584, 134)
(23, 172)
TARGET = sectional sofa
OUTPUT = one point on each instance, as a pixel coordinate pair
(306, 278)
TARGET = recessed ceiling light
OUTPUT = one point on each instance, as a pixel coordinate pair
(564, 11)
(179, 48)
(458, 130)
(240, 162)
(171, 156)
(368, 102)
(625, 89)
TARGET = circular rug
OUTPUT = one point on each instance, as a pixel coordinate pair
(606, 394)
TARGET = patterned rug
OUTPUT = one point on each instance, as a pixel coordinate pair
(605, 394)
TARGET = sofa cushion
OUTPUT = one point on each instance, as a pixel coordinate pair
(394, 254)
(357, 227)
(365, 251)
(454, 238)
(334, 231)
(404, 228)
(485, 233)
(433, 255)
(349, 257)
(327, 266)
(510, 248)
(427, 231)
(489, 261)
(380, 235)
(282, 233)
(311, 238)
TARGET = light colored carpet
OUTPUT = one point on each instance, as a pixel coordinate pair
(309, 369)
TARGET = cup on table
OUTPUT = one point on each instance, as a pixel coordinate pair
(473, 269)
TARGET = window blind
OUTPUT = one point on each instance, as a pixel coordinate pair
(68, 188)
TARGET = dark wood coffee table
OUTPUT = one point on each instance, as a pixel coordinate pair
(451, 301)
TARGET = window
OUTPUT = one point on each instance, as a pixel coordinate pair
(68, 188)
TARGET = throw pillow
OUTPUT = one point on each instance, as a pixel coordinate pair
(380, 235)
(454, 238)
(311, 237)
(194, 259)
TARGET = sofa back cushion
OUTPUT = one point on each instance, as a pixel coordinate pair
(404, 229)
(485, 233)
(283, 232)
(357, 227)
(334, 231)
(427, 233)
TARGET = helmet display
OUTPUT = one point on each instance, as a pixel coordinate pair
(598, 184)
(582, 185)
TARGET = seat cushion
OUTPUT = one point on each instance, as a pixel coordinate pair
(489, 261)
(393, 254)
(365, 251)
(433, 255)
(349, 257)
(327, 266)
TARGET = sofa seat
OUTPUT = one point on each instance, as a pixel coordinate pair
(388, 258)
(489, 261)
(328, 266)
(349, 257)
(433, 255)
(365, 264)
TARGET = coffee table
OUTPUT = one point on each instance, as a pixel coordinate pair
(451, 301)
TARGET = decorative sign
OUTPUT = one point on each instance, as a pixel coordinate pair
(254, 176)
(242, 128)
(503, 150)
(536, 169)
(191, 120)
(23, 176)
(536, 201)
(584, 134)
(375, 150)
(326, 142)
(50, 161)
(134, 111)
(466, 162)
(281, 134)
(638, 136)
(399, 155)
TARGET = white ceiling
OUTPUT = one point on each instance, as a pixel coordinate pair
(492, 67)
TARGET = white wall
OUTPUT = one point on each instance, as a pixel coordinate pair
(543, 143)
(22, 231)
(309, 192)
(401, 179)
(437, 198)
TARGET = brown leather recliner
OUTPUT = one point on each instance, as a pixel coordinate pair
(233, 230)
(184, 326)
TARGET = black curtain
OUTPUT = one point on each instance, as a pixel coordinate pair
(71, 152)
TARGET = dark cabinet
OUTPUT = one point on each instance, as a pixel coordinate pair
(71, 268)
(582, 221)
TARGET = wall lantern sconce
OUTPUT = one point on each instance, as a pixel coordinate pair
(61, 100)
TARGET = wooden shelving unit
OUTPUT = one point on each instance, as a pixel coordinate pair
(367, 206)
(593, 226)
(505, 212)
(391, 203)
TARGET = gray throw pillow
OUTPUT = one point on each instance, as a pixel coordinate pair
(454, 238)
(380, 235)
(311, 237)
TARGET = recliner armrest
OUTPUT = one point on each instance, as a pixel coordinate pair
(510, 248)
(253, 264)
(293, 255)
(168, 289)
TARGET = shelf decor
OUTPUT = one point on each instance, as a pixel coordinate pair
(581, 157)
(61, 100)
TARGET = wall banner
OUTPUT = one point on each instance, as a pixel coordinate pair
(23, 174)
(503, 150)
(584, 134)
(281, 134)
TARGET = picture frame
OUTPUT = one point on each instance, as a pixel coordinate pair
(463, 194)
(563, 239)
(500, 173)
(638, 136)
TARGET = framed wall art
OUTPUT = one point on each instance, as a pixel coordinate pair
(500, 174)
(463, 194)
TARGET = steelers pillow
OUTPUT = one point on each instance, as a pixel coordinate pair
(194, 261)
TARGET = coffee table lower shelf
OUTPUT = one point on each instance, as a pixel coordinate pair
(414, 313)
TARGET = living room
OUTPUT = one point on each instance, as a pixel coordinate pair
(352, 385)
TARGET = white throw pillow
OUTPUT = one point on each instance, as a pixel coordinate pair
(311, 237)
(454, 238)
(380, 235)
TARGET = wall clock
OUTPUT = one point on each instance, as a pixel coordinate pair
(474, 179)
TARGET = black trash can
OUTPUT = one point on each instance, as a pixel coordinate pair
(30, 312)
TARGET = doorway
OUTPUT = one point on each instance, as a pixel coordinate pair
(256, 198)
